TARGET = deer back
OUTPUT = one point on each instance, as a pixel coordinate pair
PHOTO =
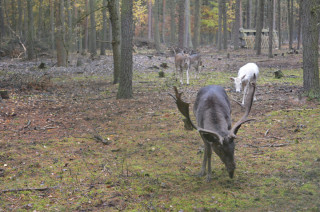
(212, 109)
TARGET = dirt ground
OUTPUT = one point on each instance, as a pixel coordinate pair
(67, 143)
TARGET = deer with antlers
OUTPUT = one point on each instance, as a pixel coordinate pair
(213, 114)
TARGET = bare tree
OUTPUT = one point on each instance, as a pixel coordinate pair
(299, 24)
(249, 13)
(125, 83)
(310, 35)
(163, 21)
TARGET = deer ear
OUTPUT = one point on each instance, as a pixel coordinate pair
(232, 79)
(215, 136)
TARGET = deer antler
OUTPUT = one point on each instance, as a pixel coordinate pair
(247, 105)
(184, 109)
(182, 106)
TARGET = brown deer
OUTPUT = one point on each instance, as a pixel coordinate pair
(213, 114)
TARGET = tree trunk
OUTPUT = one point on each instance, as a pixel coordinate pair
(279, 23)
(40, 18)
(173, 22)
(197, 23)
(93, 32)
(150, 19)
(69, 34)
(237, 26)
(290, 21)
(220, 26)
(259, 27)
(270, 27)
(13, 15)
(310, 33)
(52, 25)
(60, 44)
(2, 26)
(181, 23)
(104, 28)
(256, 6)
(125, 83)
(224, 19)
(156, 25)
(86, 27)
(20, 23)
(113, 7)
(30, 36)
(299, 25)
(249, 8)
(163, 33)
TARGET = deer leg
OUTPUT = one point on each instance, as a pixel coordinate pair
(209, 154)
(187, 76)
(181, 75)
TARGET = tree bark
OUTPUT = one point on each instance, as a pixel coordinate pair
(299, 25)
(249, 13)
(181, 24)
(197, 23)
(237, 26)
(20, 23)
(86, 27)
(187, 33)
(224, 19)
(310, 33)
(163, 31)
(270, 27)
(113, 7)
(52, 26)
(40, 18)
(156, 25)
(93, 32)
(2, 26)
(104, 28)
(290, 21)
(259, 27)
(125, 82)
(30, 36)
(150, 19)
(279, 23)
(60, 41)
(220, 26)
(173, 22)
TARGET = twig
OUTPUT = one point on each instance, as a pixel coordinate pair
(266, 133)
(28, 189)
(270, 145)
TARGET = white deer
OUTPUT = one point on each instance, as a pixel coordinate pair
(245, 75)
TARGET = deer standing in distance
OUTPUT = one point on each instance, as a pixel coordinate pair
(245, 75)
(213, 114)
(196, 62)
(182, 62)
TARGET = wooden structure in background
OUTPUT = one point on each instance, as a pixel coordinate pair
(247, 38)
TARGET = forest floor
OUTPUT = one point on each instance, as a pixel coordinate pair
(52, 157)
